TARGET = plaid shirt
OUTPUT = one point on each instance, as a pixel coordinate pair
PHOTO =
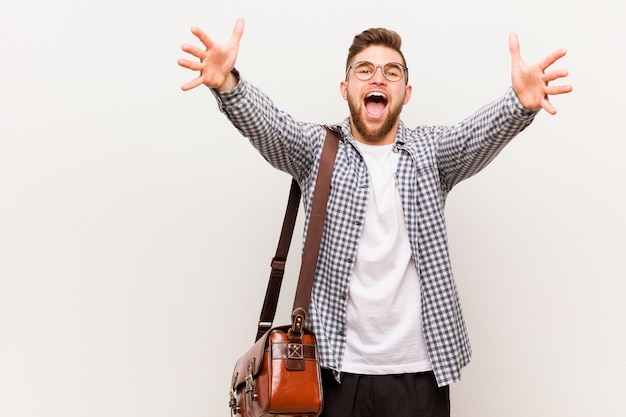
(432, 160)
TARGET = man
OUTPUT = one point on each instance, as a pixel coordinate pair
(384, 306)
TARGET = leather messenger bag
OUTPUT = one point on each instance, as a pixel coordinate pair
(280, 374)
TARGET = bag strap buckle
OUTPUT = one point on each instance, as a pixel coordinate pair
(251, 394)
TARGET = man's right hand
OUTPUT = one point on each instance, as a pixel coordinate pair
(216, 61)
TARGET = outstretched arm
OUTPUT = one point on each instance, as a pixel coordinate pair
(216, 61)
(530, 82)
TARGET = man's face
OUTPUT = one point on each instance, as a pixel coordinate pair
(375, 105)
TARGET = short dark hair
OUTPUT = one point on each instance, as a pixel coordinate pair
(375, 36)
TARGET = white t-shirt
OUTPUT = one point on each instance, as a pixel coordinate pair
(384, 322)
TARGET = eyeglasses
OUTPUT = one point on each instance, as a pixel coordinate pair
(365, 70)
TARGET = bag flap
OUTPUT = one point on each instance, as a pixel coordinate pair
(253, 357)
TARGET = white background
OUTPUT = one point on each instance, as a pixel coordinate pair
(136, 225)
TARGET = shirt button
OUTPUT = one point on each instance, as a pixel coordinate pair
(357, 223)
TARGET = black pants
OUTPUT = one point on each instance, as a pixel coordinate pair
(402, 395)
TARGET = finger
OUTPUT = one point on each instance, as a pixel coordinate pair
(203, 37)
(547, 106)
(192, 65)
(552, 58)
(191, 84)
(558, 89)
(554, 75)
(193, 50)
(237, 32)
(514, 46)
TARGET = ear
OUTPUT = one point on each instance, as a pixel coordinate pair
(343, 87)
(407, 93)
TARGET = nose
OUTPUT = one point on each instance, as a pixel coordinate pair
(378, 77)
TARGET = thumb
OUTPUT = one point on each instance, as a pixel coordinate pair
(237, 32)
(514, 47)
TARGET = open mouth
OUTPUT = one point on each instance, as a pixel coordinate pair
(375, 104)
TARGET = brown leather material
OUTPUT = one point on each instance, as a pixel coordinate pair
(311, 245)
(264, 386)
(279, 376)
(277, 272)
(293, 351)
(254, 354)
(310, 252)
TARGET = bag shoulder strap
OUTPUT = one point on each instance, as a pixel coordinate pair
(311, 245)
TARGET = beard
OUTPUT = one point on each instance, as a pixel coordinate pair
(376, 135)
